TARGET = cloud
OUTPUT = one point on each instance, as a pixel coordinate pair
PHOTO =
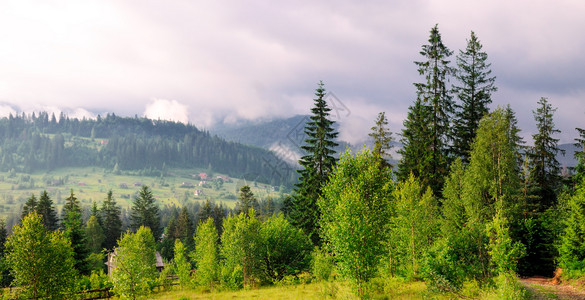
(6, 110)
(170, 110)
(229, 61)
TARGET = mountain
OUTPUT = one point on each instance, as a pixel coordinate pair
(43, 142)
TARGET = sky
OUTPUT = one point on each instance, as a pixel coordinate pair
(208, 62)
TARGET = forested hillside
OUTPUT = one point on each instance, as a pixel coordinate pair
(42, 142)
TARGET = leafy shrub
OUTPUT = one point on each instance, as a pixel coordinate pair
(322, 264)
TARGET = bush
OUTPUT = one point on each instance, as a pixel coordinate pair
(322, 264)
(509, 288)
(441, 268)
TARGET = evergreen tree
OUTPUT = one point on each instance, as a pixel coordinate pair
(545, 168)
(5, 273)
(29, 206)
(415, 152)
(434, 107)
(184, 229)
(112, 222)
(75, 232)
(316, 165)
(580, 156)
(382, 140)
(145, 212)
(247, 201)
(474, 91)
(46, 209)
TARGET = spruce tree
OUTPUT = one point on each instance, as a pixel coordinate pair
(29, 206)
(580, 156)
(436, 101)
(545, 168)
(145, 212)
(75, 232)
(382, 141)
(46, 209)
(474, 90)
(112, 222)
(416, 146)
(316, 165)
(184, 228)
(247, 201)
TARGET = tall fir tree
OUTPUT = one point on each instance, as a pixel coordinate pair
(544, 167)
(316, 165)
(580, 156)
(46, 209)
(247, 201)
(474, 89)
(416, 151)
(185, 228)
(382, 137)
(434, 107)
(74, 230)
(145, 212)
(112, 222)
(29, 206)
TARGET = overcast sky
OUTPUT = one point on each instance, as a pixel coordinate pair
(223, 61)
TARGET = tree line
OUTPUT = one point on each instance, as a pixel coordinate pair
(39, 142)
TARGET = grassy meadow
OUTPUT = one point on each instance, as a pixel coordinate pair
(91, 184)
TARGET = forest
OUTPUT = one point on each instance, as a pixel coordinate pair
(468, 209)
(39, 142)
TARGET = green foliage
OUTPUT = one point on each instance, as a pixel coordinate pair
(246, 201)
(41, 261)
(544, 167)
(430, 117)
(538, 236)
(474, 90)
(572, 246)
(29, 206)
(323, 264)
(95, 235)
(491, 179)
(508, 287)
(134, 272)
(504, 252)
(206, 254)
(145, 212)
(355, 209)
(46, 209)
(75, 232)
(413, 227)
(453, 205)
(112, 223)
(286, 251)
(240, 250)
(442, 267)
(316, 165)
(182, 264)
(382, 137)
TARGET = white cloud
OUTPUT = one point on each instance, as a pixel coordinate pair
(170, 110)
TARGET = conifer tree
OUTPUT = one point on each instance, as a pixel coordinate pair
(474, 91)
(247, 201)
(382, 140)
(545, 168)
(316, 165)
(74, 231)
(145, 212)
(112, 222)
(430, 116)
(47, 210)
(184, 229)
(580, 156)
(29, 206)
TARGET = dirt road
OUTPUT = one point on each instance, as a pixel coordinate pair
(543, 288)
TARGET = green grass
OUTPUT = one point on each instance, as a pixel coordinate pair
(91, 184)
(392, 289)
